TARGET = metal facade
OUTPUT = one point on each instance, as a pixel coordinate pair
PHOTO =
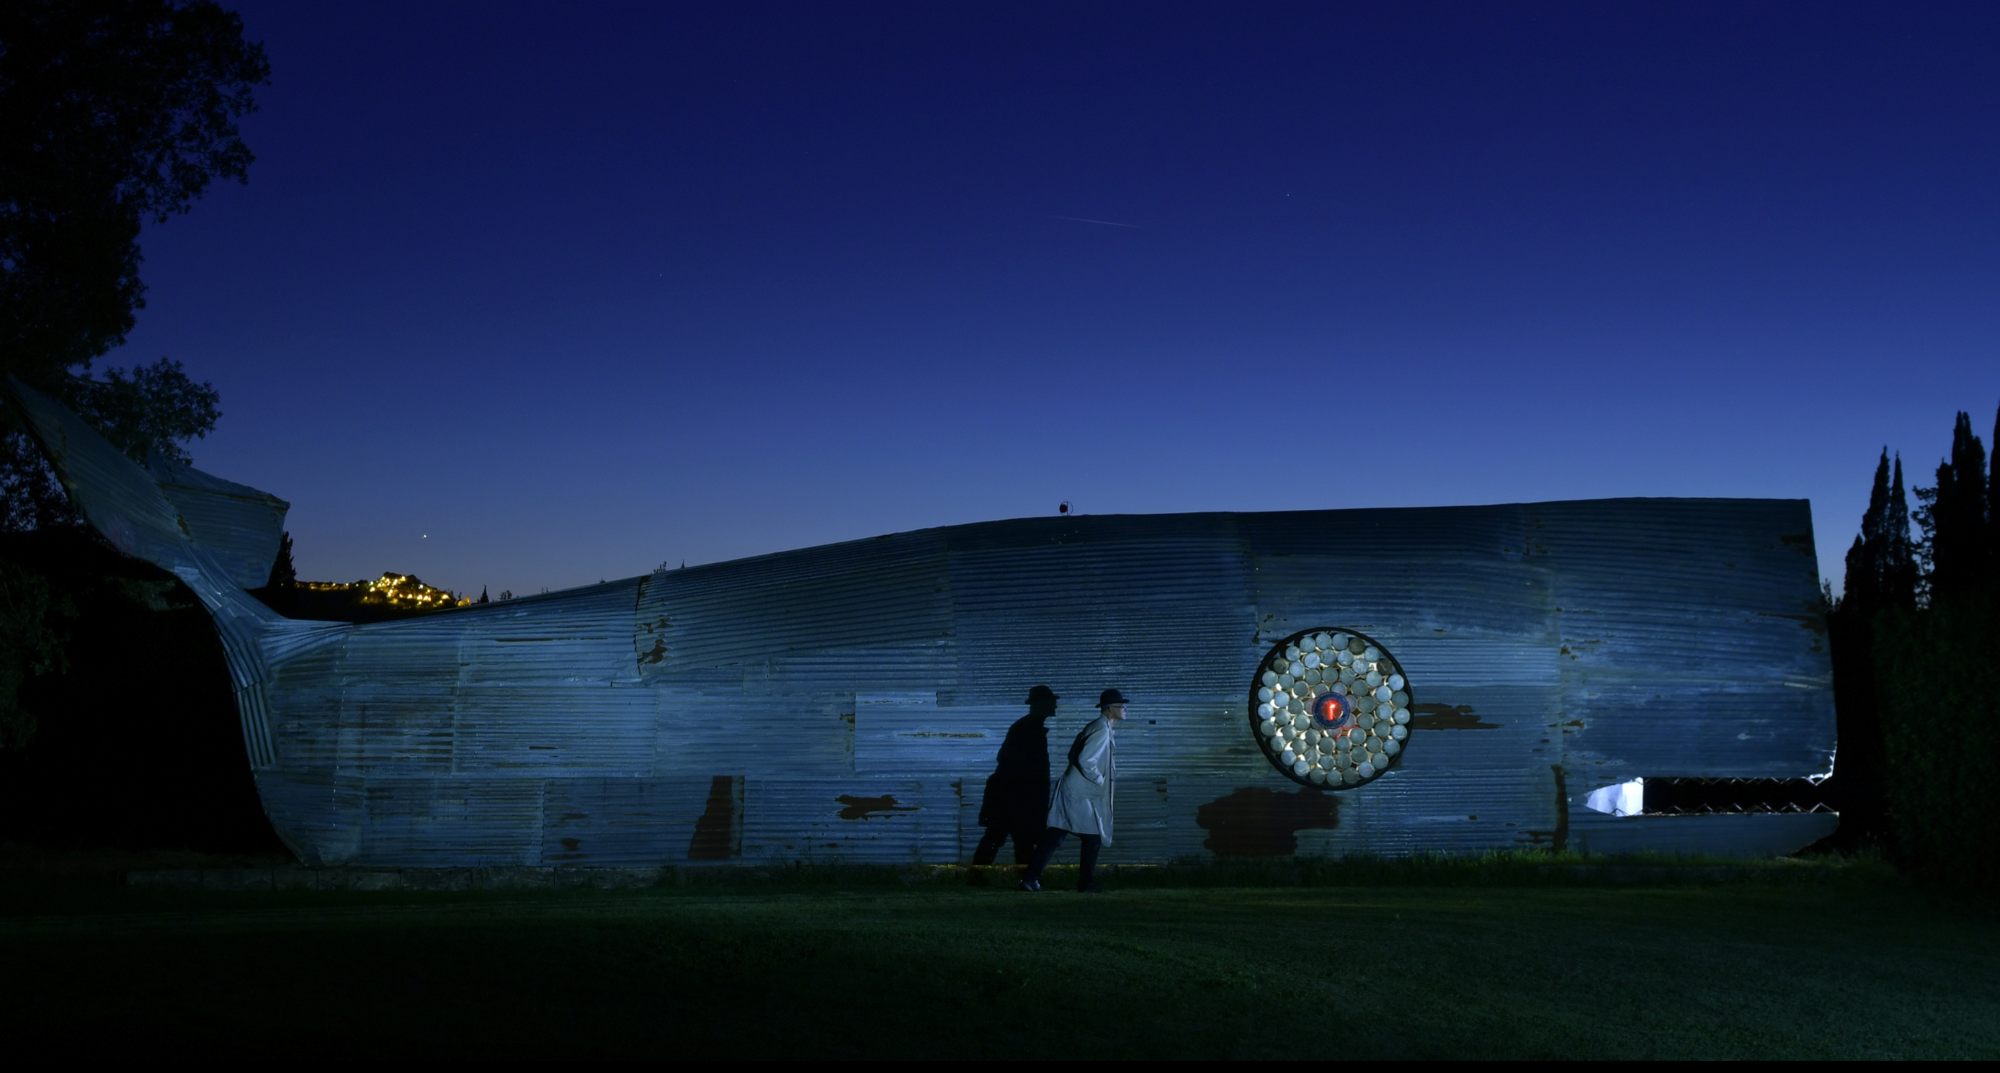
(846, 703)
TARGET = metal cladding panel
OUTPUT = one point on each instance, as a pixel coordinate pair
(1402, 600)
(1489, 727)
(626, 822)
(584, 635)
(1770, 834)
(1452, 661)
(1425, 534)
(884, 593)
(568, 729)
(909, 732)
(1425, 572)
(550, 685)
(1451, 811)
(1641, 728)
(1405, 811)
(922, 664)
(801, 734)
(1162, 738)
(320, 816)
(1153, 604)
(1692, 637)
(397, 686)
(1139, 833)
(475, 822)
(884, 820)
(241, 526)
(290, 639)
(304, 698)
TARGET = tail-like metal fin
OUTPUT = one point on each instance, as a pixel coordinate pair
(218, 537)
(241, 526)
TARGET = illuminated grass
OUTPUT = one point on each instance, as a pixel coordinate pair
(1741, 969)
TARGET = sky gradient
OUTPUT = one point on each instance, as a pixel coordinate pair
(528, 296)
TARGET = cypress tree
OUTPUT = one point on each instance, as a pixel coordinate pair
(1899, 558)
(1862, 592)
(283, 574)
(1882, 564)
(1993, 512)
(1881, 573)
(1960, 543)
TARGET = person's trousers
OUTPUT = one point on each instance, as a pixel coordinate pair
(1052, 839)
(989, 846)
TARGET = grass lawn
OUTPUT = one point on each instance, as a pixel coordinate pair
(1844, 968)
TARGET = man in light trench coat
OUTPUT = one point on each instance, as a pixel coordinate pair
(1080, 804)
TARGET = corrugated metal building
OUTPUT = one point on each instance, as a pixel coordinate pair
(846, 703)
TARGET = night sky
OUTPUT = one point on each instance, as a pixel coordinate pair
(529, 296)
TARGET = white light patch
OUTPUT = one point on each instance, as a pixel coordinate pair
(1624, 799)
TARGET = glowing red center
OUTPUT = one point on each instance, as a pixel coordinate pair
(1333, 712)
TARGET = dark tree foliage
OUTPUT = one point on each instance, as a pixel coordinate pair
(1881, 574)
(32, 634)
(112, 113)
(283, 574)
(1934, 616)
(1882, 564)
(1993, 511)
(139, 744)
(153, 408)
(1943, 769)
(1955, 519)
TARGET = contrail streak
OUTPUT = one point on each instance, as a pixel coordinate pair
(1106, 223)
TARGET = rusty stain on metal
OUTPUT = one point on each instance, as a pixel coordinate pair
(1446, 717)
(1256, 821)
(860, 808)
(1661, 635)
(718, 834)
(1559, 838)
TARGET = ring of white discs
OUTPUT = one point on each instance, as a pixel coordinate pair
(1372, 690)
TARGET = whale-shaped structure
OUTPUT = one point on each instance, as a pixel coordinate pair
(845, 703)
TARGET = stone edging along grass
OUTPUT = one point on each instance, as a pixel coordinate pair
(1496, 870)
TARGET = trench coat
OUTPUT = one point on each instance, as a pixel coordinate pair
(1081, 800)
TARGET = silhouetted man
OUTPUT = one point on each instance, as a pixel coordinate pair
(1082, 801)
(1017, 795)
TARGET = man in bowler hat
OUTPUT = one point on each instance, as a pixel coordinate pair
(1016, 804)
(1081, 804)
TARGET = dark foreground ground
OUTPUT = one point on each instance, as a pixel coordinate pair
(1807, 961)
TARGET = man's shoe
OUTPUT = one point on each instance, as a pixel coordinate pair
(1032, 886)
(1092, 889)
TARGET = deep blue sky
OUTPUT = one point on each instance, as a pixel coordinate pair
(577, 289)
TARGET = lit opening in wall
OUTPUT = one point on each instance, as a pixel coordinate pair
(1623, 799)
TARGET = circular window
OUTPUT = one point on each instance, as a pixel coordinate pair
(1331, 708)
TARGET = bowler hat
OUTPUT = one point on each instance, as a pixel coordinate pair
(1042, 695)
(1111, 697)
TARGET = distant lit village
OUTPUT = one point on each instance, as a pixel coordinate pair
(401, 592)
